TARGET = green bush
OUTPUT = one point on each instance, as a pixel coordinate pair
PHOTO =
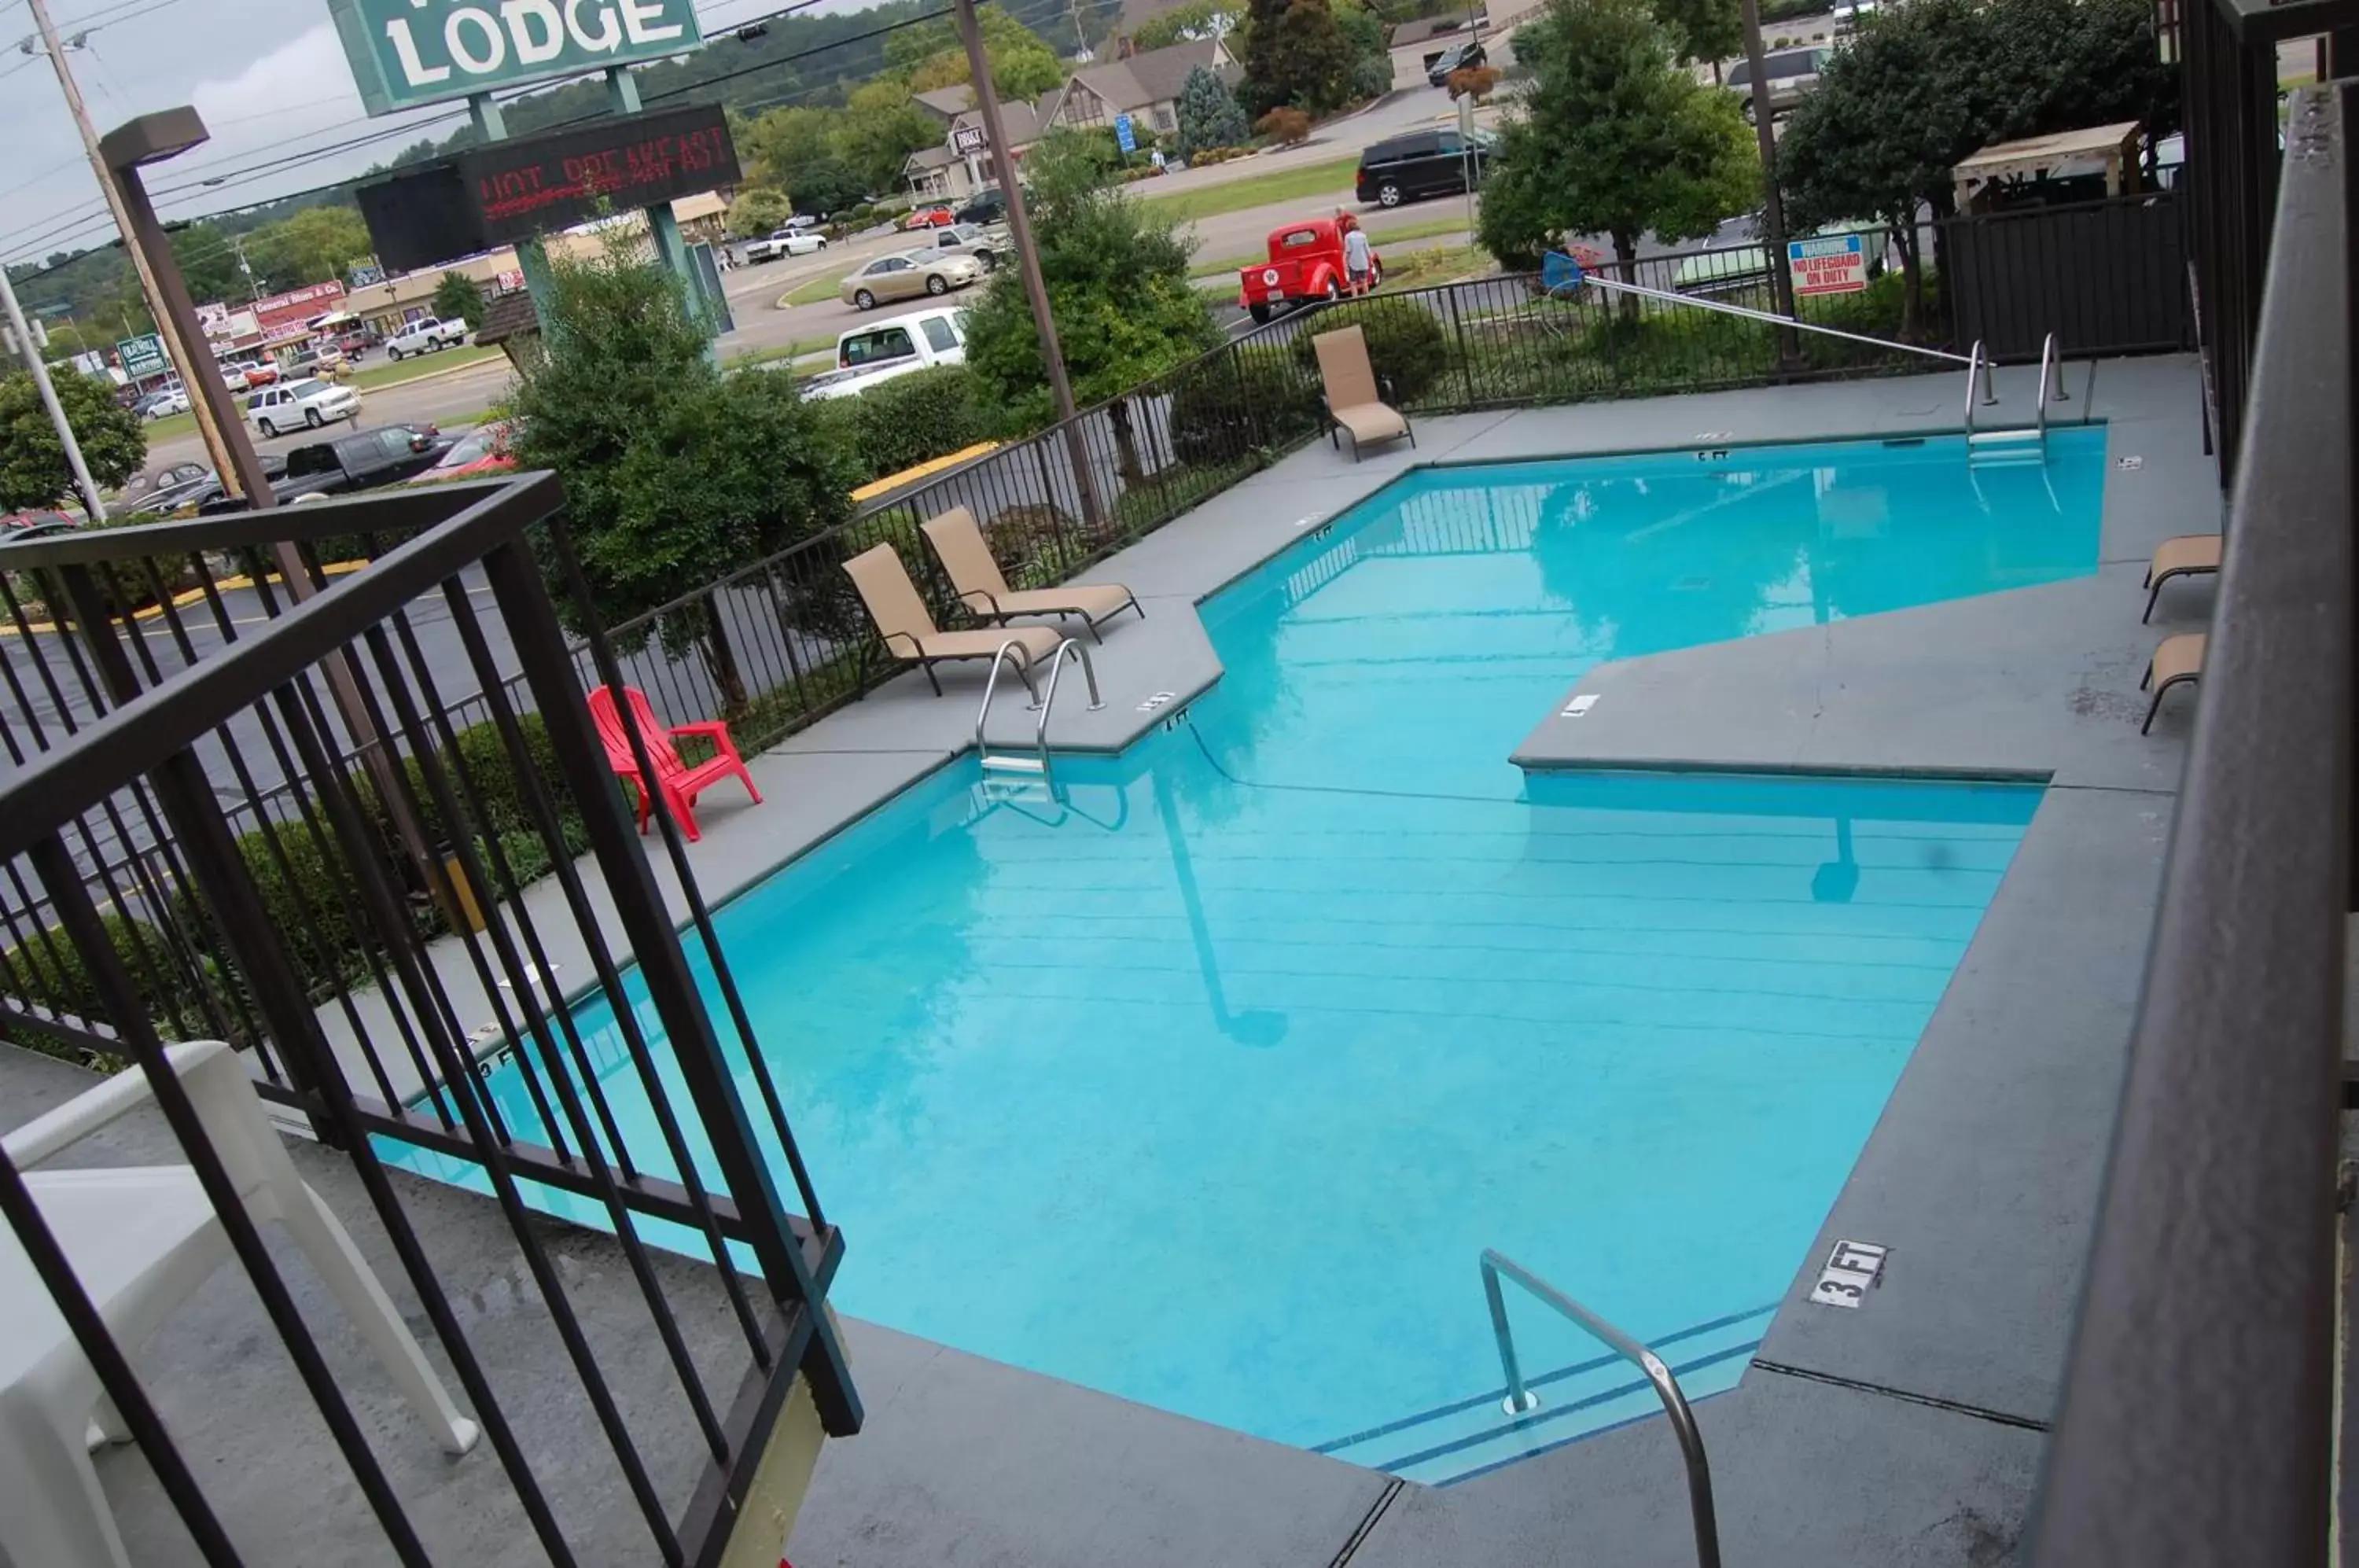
(913, 419)
(1241, 403)
(1406, 344)
(1028, 541)
(50, 972)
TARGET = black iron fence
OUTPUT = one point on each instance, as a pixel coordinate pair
(2198, 1418)
(150, 720)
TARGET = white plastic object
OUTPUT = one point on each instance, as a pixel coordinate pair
(141, 1240)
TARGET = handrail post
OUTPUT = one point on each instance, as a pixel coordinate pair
(991, 685)
(1049, 699)
(1974, 367)
(1520, 1399)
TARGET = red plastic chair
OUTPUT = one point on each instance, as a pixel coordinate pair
(676, 781)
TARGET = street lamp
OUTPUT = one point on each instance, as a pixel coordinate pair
(124, 151)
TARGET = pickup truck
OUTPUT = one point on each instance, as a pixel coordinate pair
(866, 357)
(425, 335)
(1305, 266)
(360, 462)
(784, 241)
(986, 244)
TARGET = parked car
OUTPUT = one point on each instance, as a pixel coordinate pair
(479, 454)
(160, 405)
(296, 404)
(1849, 14)
(986, 244)
(897, 345)
(424, 337)
(784, 241)
(929, 218)
(363, 461)
(905, 274)
(1465, 57)
(1305, 264)
(1421, 164)
(241, 375)
(359, 342)
(802, 220)
(1792, 75)
(37, 524)
(986, 206)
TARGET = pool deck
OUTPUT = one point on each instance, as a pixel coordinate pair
(1909, 1431)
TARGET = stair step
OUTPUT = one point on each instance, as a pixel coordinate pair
(2000, 437)
(1002, 762)
(1475, 1435)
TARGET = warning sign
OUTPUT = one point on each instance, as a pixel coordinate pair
(1834, 265)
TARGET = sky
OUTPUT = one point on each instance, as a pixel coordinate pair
(267, 76)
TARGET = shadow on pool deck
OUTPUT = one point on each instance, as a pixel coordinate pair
(1908, 1432)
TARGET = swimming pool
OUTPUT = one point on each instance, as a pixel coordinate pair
(1206, 1086)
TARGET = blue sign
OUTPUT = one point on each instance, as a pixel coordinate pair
(1124, 135)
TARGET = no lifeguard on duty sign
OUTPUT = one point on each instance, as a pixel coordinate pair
(1836, 265)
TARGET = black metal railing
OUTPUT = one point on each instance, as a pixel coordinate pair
(2196, 1423)
(136, 912)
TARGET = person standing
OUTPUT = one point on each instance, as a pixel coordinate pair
(1359, 259)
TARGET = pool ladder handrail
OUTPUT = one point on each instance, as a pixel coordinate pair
(1521, 1400)
(1043, 703)
(2049, 354)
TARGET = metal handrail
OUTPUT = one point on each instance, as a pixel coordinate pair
(1049, 698)
(2049, 354)
(1973, 364)
(998, 663)
(1521, 1399)
(1772, 317)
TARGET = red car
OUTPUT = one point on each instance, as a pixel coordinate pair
(929, 218)
(1305, 264)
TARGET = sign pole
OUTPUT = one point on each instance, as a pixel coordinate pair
(532, 260)
(623, 97)
(40, 372)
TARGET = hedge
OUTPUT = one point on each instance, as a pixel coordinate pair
(1406, 344)
(911, 419)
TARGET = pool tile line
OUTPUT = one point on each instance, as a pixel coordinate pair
(1558, 1412)
(1495, 1396)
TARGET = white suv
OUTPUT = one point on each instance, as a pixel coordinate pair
(425, 335)
(305, 403)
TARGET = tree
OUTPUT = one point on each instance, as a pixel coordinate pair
(312, 247)
(1117, 279)
(876, 131)
(1295, 56)
(675, 474)
(1210, 114)
(1371, 72)
(32, 467)
(1704, 31)
(1613, 138)
(934, 55)
(459, 298)
(1185, 23)
(1927, 82)
(758, 211)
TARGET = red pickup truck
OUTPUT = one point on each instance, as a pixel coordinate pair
(1305, 264)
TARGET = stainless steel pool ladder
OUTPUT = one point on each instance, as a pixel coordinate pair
(1036, 764)
(2026, 443)
(1521, 1400)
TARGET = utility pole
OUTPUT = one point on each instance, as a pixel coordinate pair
(1028, 255)
(194, 358)
(1773, 207)
(32, 352)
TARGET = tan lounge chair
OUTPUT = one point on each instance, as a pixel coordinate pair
(958, 540)
(2176, 658)
(910, 632)
(2189, 555)
(1353, 401)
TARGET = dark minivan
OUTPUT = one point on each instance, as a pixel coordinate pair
(1422, 164)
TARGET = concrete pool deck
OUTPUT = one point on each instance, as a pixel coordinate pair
(1909, 1431)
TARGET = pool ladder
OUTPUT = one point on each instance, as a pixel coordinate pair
(2023, 445)
(1035, 764)
(1521, 1401)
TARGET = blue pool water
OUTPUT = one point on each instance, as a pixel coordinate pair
(1207, 1085)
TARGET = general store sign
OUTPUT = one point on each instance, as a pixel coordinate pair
(1833, 266)
(407, 52)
